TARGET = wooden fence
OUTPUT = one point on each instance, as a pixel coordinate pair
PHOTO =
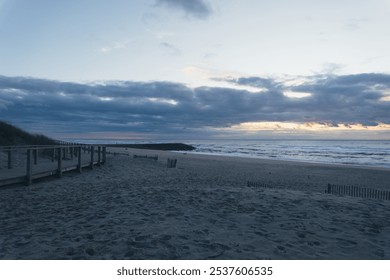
(358, 192)
(20, 164)
(171, 162)
(340, 190)
(252, 184)
(154, 157)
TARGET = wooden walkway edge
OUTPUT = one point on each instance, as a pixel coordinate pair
(45, 161)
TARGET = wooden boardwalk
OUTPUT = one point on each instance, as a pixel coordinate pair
(23, 164)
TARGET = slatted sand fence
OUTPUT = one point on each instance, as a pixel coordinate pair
(152, 157)
(252, 184)
(347, 190)
(171, 162)
(356, 191)
(23, 164)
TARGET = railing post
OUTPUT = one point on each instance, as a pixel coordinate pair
(79, 168)
(53, 155)
(71, 152)
(104, 154)
(29, 167)
(99, 156)
(59, 162)
(9, 152)
(35, 152)
(92, 148)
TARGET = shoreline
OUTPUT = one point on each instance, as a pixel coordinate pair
(291, 160)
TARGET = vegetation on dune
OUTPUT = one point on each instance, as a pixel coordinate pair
(11, 135)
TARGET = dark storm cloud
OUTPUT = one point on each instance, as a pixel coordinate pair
(350, 98)
(196, 8)
(173, 108)
(334, 99)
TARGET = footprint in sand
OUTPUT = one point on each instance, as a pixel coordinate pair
(218, 248)
(90, 251)
(380, 253)
(141, 237)
(346, 243)
(314, 243)
(70, 251)
(183, 237)
(164, 237)
(281, 249)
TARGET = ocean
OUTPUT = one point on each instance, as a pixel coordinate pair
(349, 152)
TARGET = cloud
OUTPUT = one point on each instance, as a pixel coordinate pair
(161, 35)
(195, 8)
(355, 24)
(166, 108)
(172, 50)
(115, 46)
(256, 82)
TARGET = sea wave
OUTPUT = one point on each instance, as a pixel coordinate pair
(349, 152)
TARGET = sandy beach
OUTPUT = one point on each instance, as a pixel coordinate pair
(137, 208)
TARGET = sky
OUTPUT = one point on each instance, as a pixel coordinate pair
(196, 69)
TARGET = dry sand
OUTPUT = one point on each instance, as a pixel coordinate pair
(134, 208)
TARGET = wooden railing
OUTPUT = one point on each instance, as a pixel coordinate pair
(20, 164)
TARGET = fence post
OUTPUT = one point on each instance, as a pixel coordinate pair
(171, 163)
(9, 152)
(59, 163)
(79, 168)
(329, 188)
(71, 152)
(92, 148)
(53, 155)
(29, 168)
